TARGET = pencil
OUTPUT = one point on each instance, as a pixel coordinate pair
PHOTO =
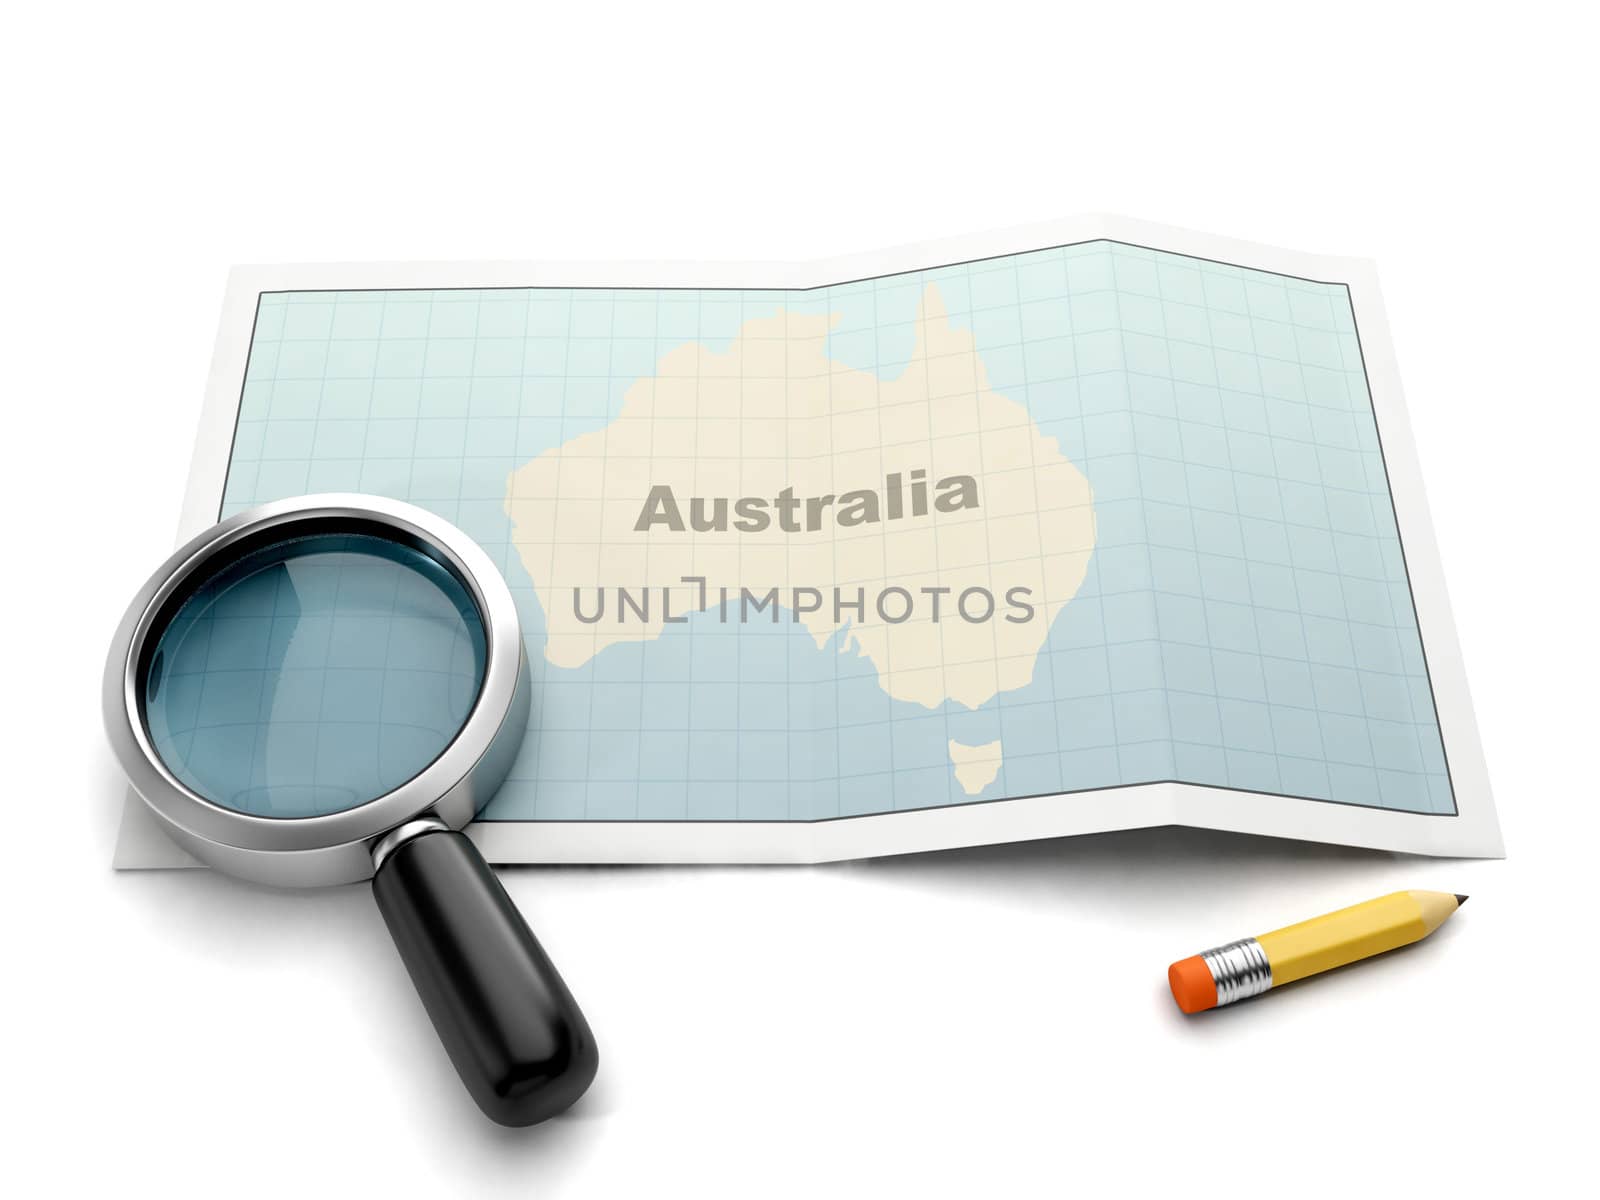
(1247, 968)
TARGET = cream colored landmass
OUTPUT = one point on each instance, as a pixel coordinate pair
(976, 766)
(773, 410)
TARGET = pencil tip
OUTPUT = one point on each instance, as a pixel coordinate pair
(1460, 899)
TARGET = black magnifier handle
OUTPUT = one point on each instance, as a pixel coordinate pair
(516, 1036)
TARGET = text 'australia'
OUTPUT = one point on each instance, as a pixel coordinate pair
(901, 497)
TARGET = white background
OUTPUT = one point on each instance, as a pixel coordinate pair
(988, 1022)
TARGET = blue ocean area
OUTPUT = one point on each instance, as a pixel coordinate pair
(1245, 622)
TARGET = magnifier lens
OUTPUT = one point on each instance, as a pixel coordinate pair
(314, 675)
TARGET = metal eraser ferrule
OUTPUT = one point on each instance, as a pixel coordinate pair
(1240, 970)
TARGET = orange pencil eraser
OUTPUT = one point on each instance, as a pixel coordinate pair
(1192, 985)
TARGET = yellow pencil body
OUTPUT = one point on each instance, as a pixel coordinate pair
(1249, 967)
(1338, 938)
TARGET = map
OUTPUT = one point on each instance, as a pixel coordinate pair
(1084, 517)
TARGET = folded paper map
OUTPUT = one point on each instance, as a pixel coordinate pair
(1079, 528)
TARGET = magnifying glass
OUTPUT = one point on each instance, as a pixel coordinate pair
(326, 689)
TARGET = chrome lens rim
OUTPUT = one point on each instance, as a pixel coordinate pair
(453, 787)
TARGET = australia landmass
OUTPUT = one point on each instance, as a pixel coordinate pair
(769, 468)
